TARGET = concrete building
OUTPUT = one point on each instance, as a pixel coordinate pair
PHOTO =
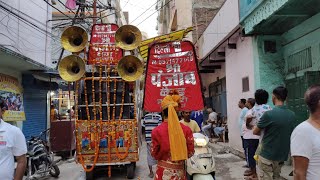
(25, 32)
(288, 53)
(226, 66)
(260, 44)
(180, 14)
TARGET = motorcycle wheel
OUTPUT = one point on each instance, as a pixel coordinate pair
(55, 171)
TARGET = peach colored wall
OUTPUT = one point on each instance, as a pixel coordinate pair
(239, 64)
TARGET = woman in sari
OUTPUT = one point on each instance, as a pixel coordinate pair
(172, 142)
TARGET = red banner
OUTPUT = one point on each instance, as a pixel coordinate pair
(172, 66)
(103, 45)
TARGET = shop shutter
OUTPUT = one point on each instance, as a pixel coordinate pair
(35, 105)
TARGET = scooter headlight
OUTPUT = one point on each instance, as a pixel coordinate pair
(201, 142)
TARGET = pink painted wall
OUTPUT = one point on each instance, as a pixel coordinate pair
(239, 64)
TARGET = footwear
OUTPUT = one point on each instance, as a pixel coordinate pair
(248, 172)
(151, 175)
(251, 178)
(245, 166)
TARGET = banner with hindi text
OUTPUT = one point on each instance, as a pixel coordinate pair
(172, 66)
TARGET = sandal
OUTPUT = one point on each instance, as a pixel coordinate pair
(248, 172)
(255, 177)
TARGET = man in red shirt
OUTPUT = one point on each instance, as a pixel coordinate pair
(172, 142)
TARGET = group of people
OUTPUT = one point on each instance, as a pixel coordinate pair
(12, 102)
(267, 134)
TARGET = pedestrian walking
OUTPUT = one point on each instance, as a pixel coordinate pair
(12, 146)
(261, 97)
(278, 125)
(151, 121)
(172, 142)
(244, 110)
(305, 140)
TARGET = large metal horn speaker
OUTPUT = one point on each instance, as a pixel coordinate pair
(128, 37)
(130, 68)
(74, 39)
(71, 68)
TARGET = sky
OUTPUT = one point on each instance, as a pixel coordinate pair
(138, 7)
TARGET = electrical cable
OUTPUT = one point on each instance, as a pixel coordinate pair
(144, 12)
(154, 12)
(34, 26)
(20, 12)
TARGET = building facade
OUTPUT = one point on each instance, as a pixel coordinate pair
(25, 33)
(260, 44)
(180, 14)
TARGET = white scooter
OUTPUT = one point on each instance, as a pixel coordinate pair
(201, 166)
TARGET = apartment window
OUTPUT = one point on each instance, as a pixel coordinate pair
(245, 84)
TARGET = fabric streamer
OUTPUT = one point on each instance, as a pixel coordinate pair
(178, 147)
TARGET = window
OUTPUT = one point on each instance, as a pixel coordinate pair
(245, 84)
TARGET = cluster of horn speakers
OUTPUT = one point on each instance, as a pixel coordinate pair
(74, 39)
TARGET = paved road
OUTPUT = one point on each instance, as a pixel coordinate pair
(229, 167)
(72, 171)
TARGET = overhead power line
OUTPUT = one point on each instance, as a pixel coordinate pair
(143, 11)
(154, 12)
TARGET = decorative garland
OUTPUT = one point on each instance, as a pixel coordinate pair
(96, 134)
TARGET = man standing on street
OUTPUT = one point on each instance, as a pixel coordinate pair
(151, 121)
(244, 110)
(12, 145)
(277, 124)
(261, 97)
(305, 140)
(192, 124)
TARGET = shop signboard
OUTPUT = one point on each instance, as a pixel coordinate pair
(12, 97)
(103, 45)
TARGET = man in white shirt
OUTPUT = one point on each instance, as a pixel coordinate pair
(252, 141)
(12, 144)
(212, 119)
(305, 140)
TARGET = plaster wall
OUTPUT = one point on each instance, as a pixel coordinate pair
(239, 64)
(305, 35)
(184, 15)
(223, 23)
(31, 35)
(269, 67)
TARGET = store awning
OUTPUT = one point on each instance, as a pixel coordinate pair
(15, 61)
(277, 17)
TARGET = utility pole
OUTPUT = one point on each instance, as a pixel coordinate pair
(94, 11)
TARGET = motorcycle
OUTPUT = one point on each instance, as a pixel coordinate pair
(201, 166)
(40, 162)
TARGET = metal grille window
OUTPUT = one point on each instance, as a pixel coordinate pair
(245, 84)
(299, 61)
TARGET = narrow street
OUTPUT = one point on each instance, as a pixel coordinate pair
(228, 168)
